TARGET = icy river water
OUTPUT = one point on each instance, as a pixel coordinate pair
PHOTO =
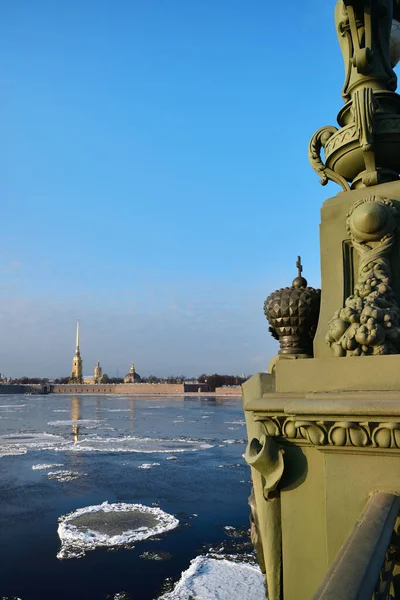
(180, 456)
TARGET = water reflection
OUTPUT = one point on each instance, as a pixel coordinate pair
(76, 405)
(132, 414)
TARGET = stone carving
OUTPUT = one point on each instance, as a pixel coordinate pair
(255, 531)
(356, 434)
(366, 150)
(266, 459)
(369, 323)
(364, 32)
(293, 315)
(348, 433)
(320, 140)
(311, 431)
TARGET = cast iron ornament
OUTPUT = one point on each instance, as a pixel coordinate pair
(369, 322)
(365, 150)
(293, 315)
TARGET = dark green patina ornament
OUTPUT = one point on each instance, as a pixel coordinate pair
(293, 314)
(365, 150)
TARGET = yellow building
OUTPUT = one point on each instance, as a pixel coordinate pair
(98, 373)
(76, 374)
(132, 376)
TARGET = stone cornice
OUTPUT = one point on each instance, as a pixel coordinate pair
(355, 420)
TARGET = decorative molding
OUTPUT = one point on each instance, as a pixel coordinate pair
(354, 433)
(318, 141)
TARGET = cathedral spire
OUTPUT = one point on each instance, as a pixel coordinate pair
(77, 336)
(76, 374)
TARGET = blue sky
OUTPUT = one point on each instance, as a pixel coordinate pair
(154, 178)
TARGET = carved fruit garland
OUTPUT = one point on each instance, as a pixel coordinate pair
(369, 322)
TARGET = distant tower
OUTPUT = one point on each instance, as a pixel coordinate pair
(98, 373)
(132, 376)
(76, 375)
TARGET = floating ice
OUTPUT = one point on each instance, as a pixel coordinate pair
(110, 525)
(213, 579)
(68, 423)
(20, 443)
(148, 465)
(136, 444)
(44, 466)
(63, 475)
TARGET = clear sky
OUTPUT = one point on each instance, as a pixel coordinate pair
(154, 178)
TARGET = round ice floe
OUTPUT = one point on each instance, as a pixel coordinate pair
(211, 579)
(110, 525)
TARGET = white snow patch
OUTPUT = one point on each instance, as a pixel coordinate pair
(212, 579)
(44, 466)
(75, 542)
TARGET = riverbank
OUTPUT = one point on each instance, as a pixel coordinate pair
(128, 389)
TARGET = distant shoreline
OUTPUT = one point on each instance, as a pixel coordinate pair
(135, 389)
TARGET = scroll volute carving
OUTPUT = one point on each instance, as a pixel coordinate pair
(266, 457)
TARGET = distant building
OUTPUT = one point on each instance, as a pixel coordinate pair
(132, 376)
(76, 374)
(98, 373)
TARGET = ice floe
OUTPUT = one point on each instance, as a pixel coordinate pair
(110, 525)
(212, 579)
(21, 443)
(44, 466)
(136, 444)
(63, 475)
(81, 423)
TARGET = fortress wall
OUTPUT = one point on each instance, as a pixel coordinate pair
(152, 389)
(229, 391)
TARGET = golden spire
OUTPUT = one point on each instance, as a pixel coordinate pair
(76, 374)
(77, 337)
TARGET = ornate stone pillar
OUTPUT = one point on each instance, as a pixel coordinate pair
(324, 433)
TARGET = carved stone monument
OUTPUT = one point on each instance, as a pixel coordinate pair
(324, 433)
